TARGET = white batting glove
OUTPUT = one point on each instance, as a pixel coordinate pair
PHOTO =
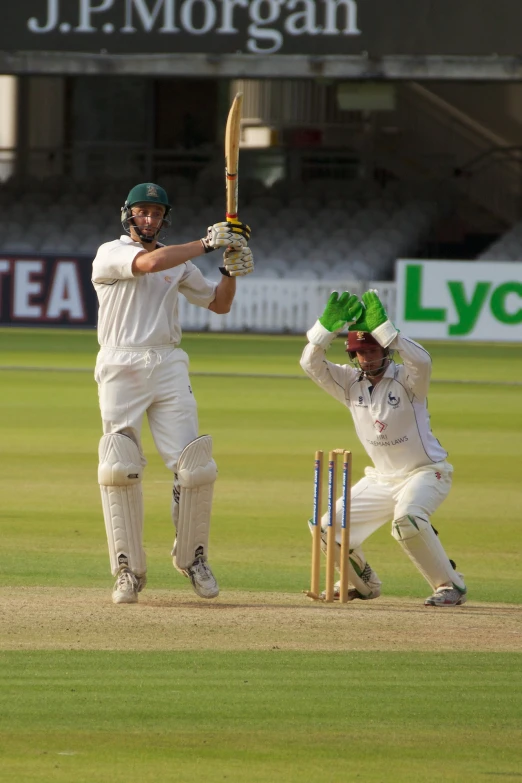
(226, 234)
(237, 263)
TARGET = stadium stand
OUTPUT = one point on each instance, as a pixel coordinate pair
(507, 247)
(302, 230)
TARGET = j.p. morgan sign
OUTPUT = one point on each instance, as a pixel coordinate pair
(256, 26)
(371, 28)
(467, 300)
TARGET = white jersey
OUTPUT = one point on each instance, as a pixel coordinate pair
(391, 419)
(141, 311)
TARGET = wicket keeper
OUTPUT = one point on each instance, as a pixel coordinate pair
(410, 476)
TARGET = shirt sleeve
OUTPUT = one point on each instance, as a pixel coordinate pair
(114, 261)
(333, 378)
(417, 365)
(196, 288)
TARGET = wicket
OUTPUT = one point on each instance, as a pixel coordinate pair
(314, 591)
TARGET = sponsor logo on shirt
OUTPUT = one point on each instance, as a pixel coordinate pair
(393, 401)
(396, 442)
(380, 426)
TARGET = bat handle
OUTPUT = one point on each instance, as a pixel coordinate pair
(232, 218)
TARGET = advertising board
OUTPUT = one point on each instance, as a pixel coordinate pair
(459, 300)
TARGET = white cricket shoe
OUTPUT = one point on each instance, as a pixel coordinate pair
(142, 581)
(202, 579)
(447, 595)
(127, 587)
(200, 574)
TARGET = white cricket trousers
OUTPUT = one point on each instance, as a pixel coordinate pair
(377, 499)
(152, 381)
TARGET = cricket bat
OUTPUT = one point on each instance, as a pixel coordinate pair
(232, 134)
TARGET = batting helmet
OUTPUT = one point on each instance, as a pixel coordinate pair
(145, 193)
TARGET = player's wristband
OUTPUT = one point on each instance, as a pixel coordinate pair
(385, 333)
(319, 335)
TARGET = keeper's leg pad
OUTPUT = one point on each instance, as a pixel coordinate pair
(197, 473)
(360, 574)
(418, 539)
(119, 475)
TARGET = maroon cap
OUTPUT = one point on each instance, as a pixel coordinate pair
(358, 341)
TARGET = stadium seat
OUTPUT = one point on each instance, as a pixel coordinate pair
(324, 221)
(88, 246)
(17, 246)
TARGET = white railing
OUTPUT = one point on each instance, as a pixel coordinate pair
(278, 305)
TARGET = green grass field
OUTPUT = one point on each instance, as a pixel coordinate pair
(260, 685)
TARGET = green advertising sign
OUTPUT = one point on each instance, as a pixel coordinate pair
(469, 300)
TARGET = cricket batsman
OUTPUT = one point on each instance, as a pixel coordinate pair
(142, 370)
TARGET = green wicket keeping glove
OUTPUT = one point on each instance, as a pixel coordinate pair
(375, 314)
(360, 325)
(339, 310)
(374, 319)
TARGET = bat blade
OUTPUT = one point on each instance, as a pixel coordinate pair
(232, 135)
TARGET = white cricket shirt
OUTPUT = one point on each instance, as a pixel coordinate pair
(391, 419)
(142, 311)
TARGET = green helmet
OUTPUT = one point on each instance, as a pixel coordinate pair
(145, 193)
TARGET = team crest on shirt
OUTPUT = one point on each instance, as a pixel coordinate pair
(152, 191)
(393, 401)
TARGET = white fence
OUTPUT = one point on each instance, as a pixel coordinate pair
(278, 305)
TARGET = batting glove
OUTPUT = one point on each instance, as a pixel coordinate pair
(237, 263)
(339, 310)
(226, 234)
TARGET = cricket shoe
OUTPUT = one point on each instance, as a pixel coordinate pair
(447, 595)
(127, 587)
(200, 574)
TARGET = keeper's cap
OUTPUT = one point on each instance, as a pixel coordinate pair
(360, 341)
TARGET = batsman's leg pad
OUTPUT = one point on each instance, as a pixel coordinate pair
(175, 501)
(119, 475)
(197, 473)
(418, 539)
(360, 573)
